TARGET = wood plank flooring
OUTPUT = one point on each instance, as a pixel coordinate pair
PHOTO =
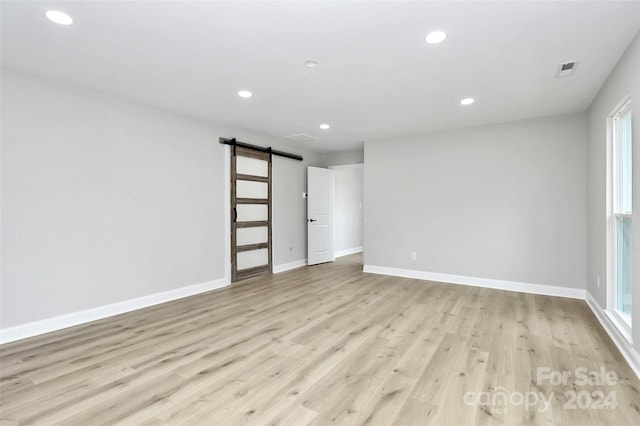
(323, 345)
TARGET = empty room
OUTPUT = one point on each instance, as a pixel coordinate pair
(320, 213)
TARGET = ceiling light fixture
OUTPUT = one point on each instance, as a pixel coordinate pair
(435, 37)
(311, 63)
(324, 126)
(245, 94)
(59, 17)
(467, 101)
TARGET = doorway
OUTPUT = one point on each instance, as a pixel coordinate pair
(335, 215)
(349, 184)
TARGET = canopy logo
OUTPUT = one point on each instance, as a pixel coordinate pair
(498, 400)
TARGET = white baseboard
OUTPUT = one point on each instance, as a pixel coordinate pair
(347, 252)
(623, 345)
(547, 290)
(288, 266)
(35, 328)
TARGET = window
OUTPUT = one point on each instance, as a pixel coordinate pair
(620, 229)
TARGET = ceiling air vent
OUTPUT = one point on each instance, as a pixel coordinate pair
(566, 69)
(301, 137)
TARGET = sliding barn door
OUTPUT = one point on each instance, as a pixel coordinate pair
(250, 213)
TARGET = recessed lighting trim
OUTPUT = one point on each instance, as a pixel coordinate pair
(245, 94)
(467, 101)
(311, 63)
(59, 17)
(324, 126)
(435, 37)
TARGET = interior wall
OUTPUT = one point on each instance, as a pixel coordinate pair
(289, 205)
(502, 202)
(348, 208)
(623, 81)
(105, 200)
(339, 158)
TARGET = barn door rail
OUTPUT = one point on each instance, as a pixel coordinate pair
(235, 143)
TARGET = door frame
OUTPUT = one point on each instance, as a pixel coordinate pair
(227, 214)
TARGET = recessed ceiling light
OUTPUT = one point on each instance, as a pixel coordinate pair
(435, 37)
(311, 63)
(59, 17)
(245, 94)
(324, 126)
(467, 101)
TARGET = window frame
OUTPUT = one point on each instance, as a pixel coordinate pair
(619, 318)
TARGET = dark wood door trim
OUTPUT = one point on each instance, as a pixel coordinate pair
(236, 274)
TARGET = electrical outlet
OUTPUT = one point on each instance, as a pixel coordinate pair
(414, 255)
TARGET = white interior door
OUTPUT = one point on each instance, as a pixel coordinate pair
(320, 188)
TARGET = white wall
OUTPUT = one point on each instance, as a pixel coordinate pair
(503, 202)
(104, 200)
(623, 81)
(289, 206)
(337, 158)
(348, 208)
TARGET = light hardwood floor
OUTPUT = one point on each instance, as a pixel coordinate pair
(322, 345)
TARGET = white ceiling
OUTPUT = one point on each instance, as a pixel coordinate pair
(376, 76)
